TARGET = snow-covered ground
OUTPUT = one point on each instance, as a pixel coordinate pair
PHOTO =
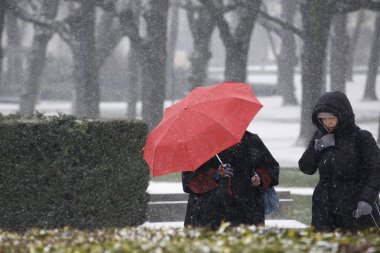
(268, 224)
(176, 188)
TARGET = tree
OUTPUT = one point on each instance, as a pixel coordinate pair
(153, 62)
(201, 26)
(133, 65)
(236, 41)
(78, 30)
(314, 51)
(151, 51)
(132, 80)
(37, 58)
(313, 60)
(90, 47)
(353, 43)
(287, 59)
(373, 64)
(338, 53)
(87, 91)
(14, 74)
(89, 52)
(171, 46)
(3, 8)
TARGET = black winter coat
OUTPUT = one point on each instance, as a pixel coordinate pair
(245, 205)
(349, 171)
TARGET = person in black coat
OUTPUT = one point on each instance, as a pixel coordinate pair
(233, 192)
(348, 160)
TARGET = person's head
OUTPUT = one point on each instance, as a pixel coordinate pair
(337, 104)
(329, 120)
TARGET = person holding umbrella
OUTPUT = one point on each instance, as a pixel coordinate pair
(348, 160)
(229, 187)
(226, 169)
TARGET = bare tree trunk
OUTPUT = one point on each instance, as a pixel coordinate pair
(287, 60)
(338, 53)
(132, 13)
(87, 97)
(236, 62)
(171, 47)
(3, 7)
(132, 81)
(236, 42)
(313, 61)
(154, 63)
(353, 44)
(37, 59)
(237, 45)
(108, 36)
(373, 64)
(201, 25)
(14, 54)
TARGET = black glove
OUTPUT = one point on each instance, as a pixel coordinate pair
(326, 141)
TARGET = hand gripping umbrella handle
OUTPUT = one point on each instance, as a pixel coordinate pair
(229, 178)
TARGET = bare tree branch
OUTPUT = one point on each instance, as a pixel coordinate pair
(283, 24)
(344, 6)
(127, 21)
(54, 25)
(221, 22)
(229, 7)
(107, 5)
(267, 25)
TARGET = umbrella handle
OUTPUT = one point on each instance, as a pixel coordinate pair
(219, 159)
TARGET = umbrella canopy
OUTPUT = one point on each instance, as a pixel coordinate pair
(202, 124)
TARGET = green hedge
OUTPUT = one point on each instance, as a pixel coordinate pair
(173, 240)
(59, 171)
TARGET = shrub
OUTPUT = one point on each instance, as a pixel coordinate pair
(60, 171)
(141, 239)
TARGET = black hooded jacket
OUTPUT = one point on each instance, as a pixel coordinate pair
(349, 171)
(246, 204)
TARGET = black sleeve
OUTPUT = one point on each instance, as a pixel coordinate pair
(186, 177)
(370, 153)
(309, 160)
(266, 160)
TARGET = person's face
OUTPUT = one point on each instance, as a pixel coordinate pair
(330, 123)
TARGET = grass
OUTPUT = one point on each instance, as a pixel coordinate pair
(174, 177)
(289, 177)
(302, 208)
(293, 177)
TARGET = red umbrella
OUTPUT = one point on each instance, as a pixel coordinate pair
(204, 123)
